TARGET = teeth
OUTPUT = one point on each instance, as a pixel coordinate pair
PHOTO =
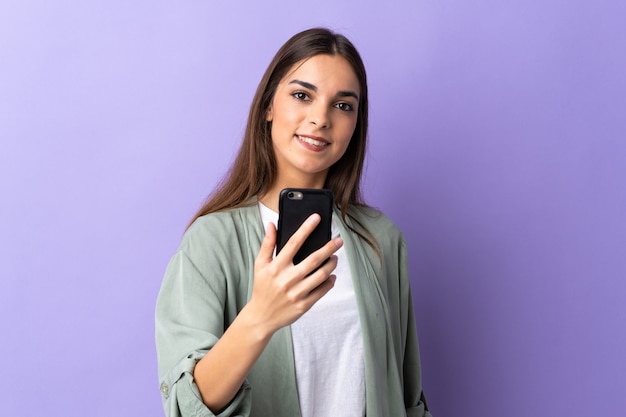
(312, 141)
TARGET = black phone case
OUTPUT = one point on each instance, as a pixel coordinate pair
(293, 212)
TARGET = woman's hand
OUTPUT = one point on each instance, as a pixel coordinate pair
(283, 291)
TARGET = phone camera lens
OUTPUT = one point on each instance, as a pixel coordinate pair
(290, 194)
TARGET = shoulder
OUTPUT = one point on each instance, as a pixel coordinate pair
(376, 222)
(223, 226)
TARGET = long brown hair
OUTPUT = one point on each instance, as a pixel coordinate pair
(254, 170)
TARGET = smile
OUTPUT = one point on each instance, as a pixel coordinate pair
(311, 141)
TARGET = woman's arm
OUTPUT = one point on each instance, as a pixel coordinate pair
(280, 295)
(412, 368)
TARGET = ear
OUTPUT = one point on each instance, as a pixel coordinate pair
(270, 115)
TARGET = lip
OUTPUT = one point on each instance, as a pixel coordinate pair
(306, 141)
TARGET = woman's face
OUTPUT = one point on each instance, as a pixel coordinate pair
(313, 115)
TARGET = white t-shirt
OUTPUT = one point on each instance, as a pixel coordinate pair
(328, 346)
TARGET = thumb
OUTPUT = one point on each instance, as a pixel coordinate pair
(266, 253)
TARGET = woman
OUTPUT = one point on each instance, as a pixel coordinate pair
(240, 332)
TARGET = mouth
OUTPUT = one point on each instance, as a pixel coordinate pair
(313, 141)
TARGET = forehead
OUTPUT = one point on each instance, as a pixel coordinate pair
(331, 72)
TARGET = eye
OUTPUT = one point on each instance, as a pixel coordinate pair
(300, 96)
(344, 106)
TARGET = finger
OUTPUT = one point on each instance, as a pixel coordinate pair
(320, 256)
(313, 294)
(297, 239)
(266, 252)
(310, 282)
(321, 290)
(325, 270)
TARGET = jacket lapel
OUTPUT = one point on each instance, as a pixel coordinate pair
(372, 312)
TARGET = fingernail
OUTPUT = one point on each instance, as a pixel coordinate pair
(339, 242)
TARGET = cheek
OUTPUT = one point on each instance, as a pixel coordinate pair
(283, 113)
(347, 134)
(347, 130)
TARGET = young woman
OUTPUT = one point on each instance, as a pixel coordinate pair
(241, 332)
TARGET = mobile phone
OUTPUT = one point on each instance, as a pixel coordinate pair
(295, 205)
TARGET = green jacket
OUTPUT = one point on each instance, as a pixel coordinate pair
(209, 280)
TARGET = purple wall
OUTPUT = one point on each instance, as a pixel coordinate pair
(498, 144)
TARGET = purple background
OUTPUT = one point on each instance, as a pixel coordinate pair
(498, 144)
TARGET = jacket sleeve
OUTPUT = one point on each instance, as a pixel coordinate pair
(189, 320)
(413, 390)
(412, 371)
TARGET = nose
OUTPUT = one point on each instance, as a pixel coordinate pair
(318, 115)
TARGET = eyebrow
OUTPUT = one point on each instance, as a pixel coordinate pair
(314, 88)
